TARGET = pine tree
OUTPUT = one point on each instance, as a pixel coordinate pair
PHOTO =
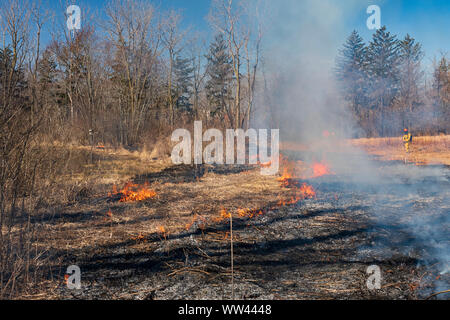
(409, 99)
(219, 71)
(183, 72)
(12, 84)
(352, 59)
(383, 62)
(47, 70)
(350, 72)
(441, 88)
(49, 85)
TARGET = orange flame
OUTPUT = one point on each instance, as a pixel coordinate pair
(249, 213)
(134, 193)
(303, 192)
(266, 165)
(285, 178)
(195, 219)
(139, 237)
(224, 214)
(109, 215)
(163, 231)
(286, 175)
(242, 213)
(306, 191)
(320, 169)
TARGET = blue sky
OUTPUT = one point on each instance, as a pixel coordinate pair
(426, 20)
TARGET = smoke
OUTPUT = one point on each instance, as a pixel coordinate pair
(302, 44)
(299, 59)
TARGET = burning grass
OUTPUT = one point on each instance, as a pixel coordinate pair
(132, 192)
(173, 220)
(294, 172)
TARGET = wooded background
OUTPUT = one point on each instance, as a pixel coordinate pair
(386, 88)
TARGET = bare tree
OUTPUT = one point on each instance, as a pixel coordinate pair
(237, 21)
(252, 49)
(38, 18)
(172, 38)
(196, 52)
(17, 165)
(136, 39)
(225, 16)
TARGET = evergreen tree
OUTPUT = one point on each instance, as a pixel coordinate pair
(183, 71)
(441, 89)
(383, 63)
(49, 86)
(220, 74)
(352, 58)
(12, 84)
(47, 70)
(350, 72)
(411, 55)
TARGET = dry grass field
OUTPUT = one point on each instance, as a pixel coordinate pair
(174, 243)
(424, 150)
(93, 218)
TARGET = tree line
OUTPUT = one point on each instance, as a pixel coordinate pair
(386, 89)
(134, 73)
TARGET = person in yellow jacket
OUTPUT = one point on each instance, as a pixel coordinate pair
(407, 140)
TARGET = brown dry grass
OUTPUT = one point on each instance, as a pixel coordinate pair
(83, 227)
(83, 224)
(423, 150)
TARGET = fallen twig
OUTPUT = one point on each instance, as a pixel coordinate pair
(188, 270)
(437, 293)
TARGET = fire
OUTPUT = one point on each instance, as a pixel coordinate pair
(321, 169)
(286, 179)
(286, 175)
(196, 219)
(299, 170)
(134, 193)
(242, 213)
(162, 230)
(303, 192)
(140, 237)
(109, 215)
(306, 191)
(266, 165)
(224, 215)
(249, 213)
